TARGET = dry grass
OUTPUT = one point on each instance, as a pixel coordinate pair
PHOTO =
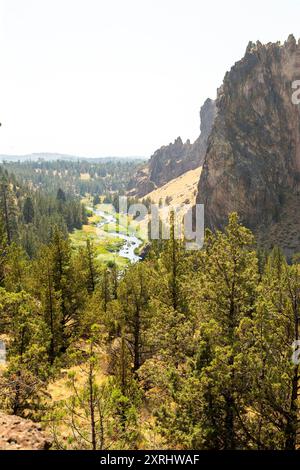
(59, 389)
(180, 189)
(89, 229)
(85, 176)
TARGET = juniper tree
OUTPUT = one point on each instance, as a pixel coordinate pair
(270, 336)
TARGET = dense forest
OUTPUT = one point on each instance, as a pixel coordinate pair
(185, 350)
(75, 177)
(30, 213)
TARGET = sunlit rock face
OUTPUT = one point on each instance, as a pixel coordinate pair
(252, 164)
(171, 161)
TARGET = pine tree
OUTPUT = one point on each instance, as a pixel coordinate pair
(222, 295)
(61, 196)
(87, 266)
(67, 284)
(60, 288)
(28, 211)
(24, 380)
(134, 300)
(8, 208)
(50, 298)
(3, 251)
(271, 334)
(16, 269)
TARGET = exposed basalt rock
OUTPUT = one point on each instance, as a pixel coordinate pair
(21, 434)
(173, 160)
(252, 164)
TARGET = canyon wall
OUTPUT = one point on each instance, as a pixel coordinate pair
(252, 163)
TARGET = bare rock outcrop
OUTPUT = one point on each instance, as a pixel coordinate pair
(171, 161)
(252, 164)
(21, 434)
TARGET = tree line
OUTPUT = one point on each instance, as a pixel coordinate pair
(75, 177)
(28, 214)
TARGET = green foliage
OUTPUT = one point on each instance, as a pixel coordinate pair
(193, 347)
(28, 211)
(24, 380)
(103, 177)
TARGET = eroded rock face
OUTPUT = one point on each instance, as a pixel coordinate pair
(173, 160)
(21, 434)
(252, 164)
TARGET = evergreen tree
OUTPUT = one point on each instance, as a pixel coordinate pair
(24, 380)
(8, 209)
(222, 295)
(61, 196)
(134, 298)
(272, 375)
(28, 211)
(3, 250)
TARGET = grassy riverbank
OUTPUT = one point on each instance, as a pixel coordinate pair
(106, 243)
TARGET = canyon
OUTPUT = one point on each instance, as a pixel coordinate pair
(248, 148)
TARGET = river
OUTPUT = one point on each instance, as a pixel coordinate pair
(131, 242)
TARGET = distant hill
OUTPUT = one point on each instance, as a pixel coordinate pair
(59, 156)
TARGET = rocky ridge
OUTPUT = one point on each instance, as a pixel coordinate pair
(252, 164)
(175, 159)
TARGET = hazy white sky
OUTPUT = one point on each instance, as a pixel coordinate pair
(121, 77)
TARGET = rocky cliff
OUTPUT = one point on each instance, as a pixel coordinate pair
(173, 160)
(252, 164)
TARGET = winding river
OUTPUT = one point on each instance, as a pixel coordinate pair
(131, 242)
